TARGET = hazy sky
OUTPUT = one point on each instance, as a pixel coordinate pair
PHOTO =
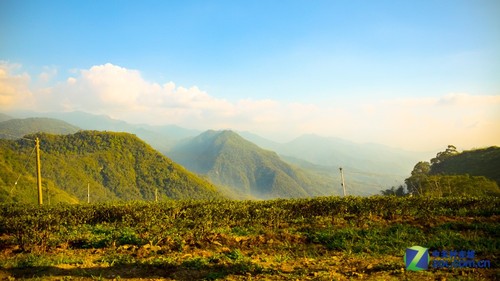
(413, 74)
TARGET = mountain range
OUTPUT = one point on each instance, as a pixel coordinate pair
(162, 138)
(336, 152)
(368, 168)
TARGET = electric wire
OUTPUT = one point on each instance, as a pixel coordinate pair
(371, 174)
(25, 166)
(362, 183)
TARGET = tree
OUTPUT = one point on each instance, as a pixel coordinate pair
(418, 176)
(441, 156)
(459, 185)
(400, 191)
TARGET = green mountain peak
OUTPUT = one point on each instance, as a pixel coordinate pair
(242, 167)
(116, 166)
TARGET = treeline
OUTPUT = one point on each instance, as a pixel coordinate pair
(453, 173)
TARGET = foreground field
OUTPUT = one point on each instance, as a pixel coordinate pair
(307, 239)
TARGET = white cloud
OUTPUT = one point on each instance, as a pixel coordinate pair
(124, 94)
(14, 88)
(415, 123)
(47, 75)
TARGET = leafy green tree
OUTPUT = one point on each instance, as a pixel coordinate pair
(393, 191)
(419, 175)
(441, 156)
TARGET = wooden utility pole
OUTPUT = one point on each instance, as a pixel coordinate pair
(38, 172)
(342, 178)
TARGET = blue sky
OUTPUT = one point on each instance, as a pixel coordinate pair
(254, 62)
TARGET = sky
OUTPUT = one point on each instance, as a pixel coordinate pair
(417, 75)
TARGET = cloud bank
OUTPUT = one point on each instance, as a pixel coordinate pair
(14, 88)
(420, 123)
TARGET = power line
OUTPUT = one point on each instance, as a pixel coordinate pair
(374, 174)
(360, 183)
(25, 166)
(38, 170)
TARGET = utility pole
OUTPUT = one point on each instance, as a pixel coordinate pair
(38, 172)
(342, 178)
(88, 192)
(156, 195)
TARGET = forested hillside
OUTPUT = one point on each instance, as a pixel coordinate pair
(16, 128)
(479, 162)
(116, 166)
(453, 173)
(245, 169)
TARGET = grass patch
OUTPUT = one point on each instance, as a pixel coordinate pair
(377, 239)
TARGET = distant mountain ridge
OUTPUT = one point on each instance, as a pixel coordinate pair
(243, 167)
(338, 152)
(17, 128)
(162, 138)
(116, 166)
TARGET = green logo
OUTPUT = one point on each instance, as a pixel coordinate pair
(416, 258)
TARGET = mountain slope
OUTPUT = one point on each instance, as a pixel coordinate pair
(117, 166)
(17, 128)
(18, 178)
(4, 117)
(478, 162)
(244, 168)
